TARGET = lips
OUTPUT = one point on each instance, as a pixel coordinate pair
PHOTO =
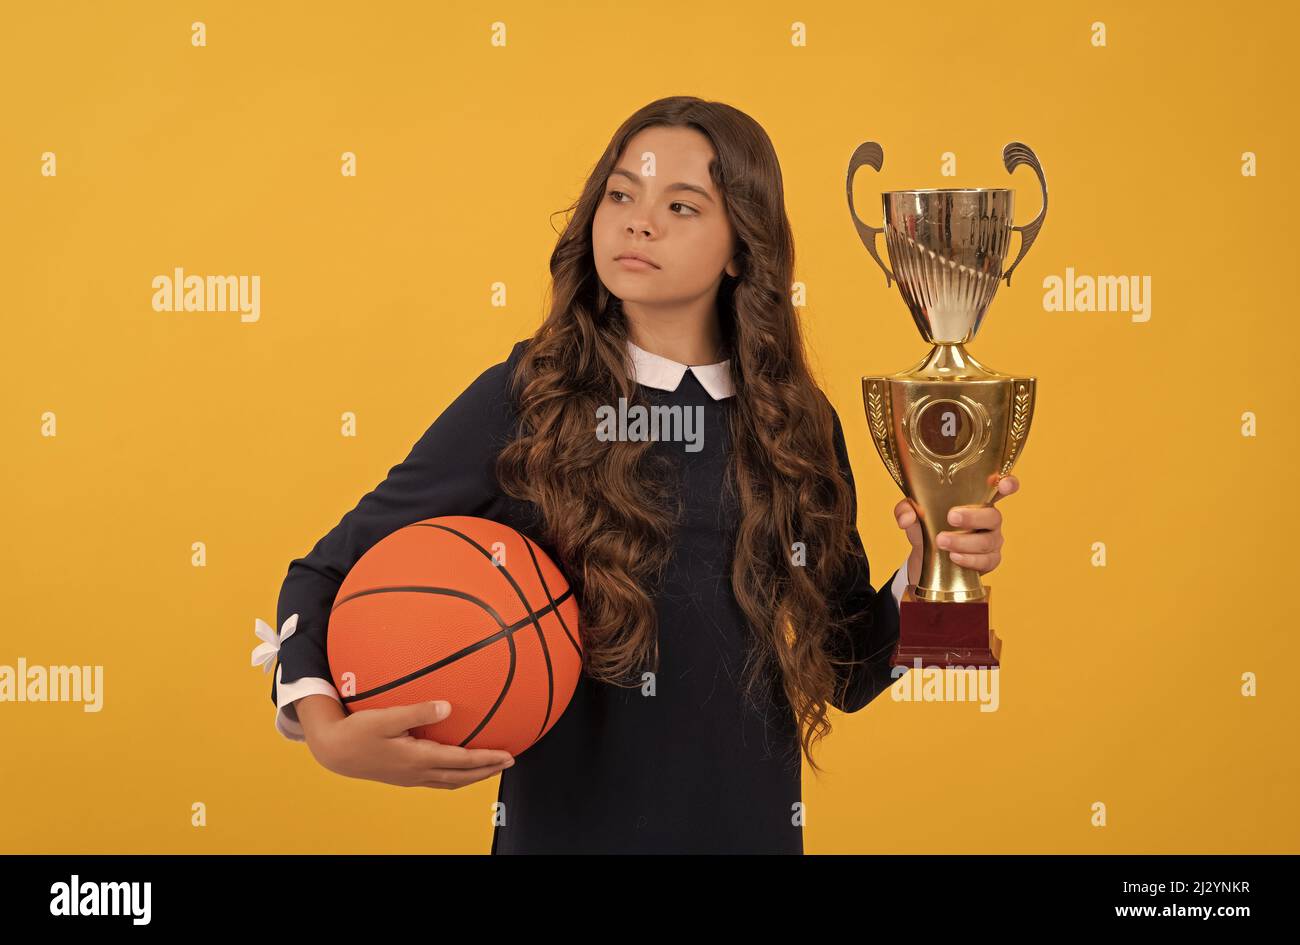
(637, 256)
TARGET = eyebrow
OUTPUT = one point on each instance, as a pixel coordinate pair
(678, 186)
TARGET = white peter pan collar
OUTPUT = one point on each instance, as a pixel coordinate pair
(654, 370)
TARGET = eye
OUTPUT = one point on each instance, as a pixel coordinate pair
(615, 194)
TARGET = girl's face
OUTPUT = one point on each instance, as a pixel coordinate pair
(660, 203)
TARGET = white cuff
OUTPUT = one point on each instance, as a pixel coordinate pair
(286, 716)
(900, 584)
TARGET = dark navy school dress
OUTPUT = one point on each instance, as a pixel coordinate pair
(693, 768)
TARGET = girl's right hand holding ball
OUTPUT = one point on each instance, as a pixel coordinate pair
(375, 744)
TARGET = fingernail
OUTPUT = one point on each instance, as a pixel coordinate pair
(944, 541)
(954, 517)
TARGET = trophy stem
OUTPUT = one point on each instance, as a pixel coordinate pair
(951, 361)
(941, 580)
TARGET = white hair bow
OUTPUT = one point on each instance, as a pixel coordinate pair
(269, 648)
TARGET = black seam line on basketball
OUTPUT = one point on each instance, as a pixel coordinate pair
(523, 599)
(503, 632)
(419, 588)
(501, 696)
(546, 587)
(528, 546)
(509, 635)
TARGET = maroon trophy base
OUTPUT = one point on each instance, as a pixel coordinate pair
(945, 633)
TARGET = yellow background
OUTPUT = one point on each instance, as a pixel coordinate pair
(1120, 684)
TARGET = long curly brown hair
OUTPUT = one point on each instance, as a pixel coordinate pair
(602, 502)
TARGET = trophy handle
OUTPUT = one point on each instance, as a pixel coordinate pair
(1013, 155)
(869, 152)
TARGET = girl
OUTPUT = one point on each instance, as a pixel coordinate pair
(726, 599)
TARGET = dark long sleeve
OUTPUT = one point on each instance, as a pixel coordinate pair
(449, 471)
(874, 630)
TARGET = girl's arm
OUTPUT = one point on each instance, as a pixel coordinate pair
(449, 471)
(873, 630)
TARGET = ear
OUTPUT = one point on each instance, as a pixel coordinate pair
(732, 269)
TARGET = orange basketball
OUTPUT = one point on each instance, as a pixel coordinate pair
(466, 610)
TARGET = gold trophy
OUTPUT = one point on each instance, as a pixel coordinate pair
(948, 427)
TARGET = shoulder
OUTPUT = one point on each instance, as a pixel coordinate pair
(836, 426)
(517, 351)
(483, 413)
(841, 447)
(490, 391)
